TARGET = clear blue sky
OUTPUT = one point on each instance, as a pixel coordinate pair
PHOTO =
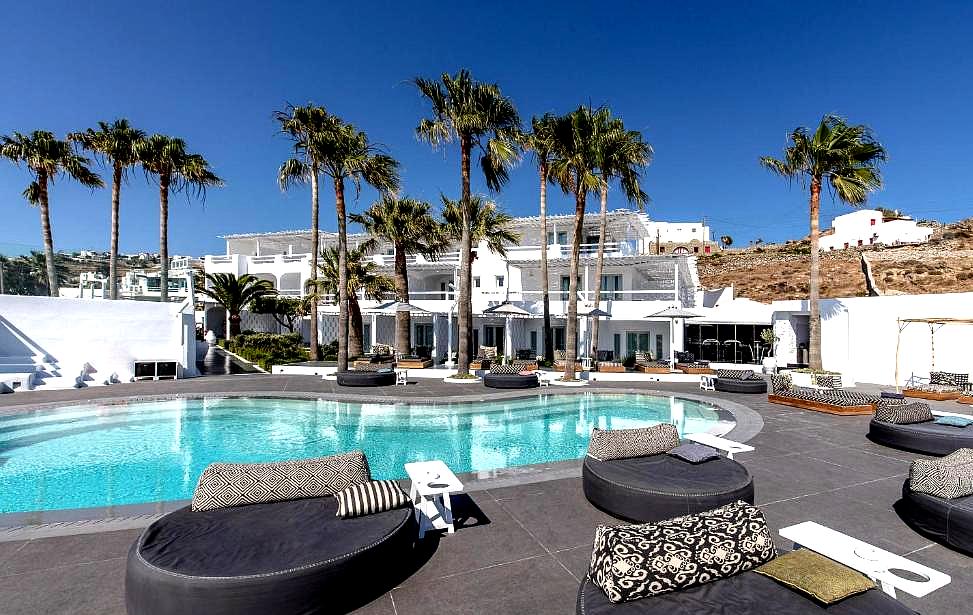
(712, 86)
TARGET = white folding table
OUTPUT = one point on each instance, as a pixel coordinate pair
(432, 484)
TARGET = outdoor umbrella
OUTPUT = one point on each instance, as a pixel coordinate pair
(595, 313)
(509, 310)
(673, 314)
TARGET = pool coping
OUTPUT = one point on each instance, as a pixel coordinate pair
(66, 522)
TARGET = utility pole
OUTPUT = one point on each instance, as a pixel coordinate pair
(1, 276)
(658, 242)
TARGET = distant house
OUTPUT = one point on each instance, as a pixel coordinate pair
(867, 227)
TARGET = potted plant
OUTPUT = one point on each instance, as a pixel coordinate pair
(768, 337)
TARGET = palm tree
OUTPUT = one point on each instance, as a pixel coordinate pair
(235, 294)
(848, 158)
(303, 126)
(575, 169)
(726, 241)
(115, 144)
(176, 170)
(408, 225)
(477, 115)
(487, 223)
(46, 157)
(343, 152)
(362, 277)
(622, 154)
(540, 140)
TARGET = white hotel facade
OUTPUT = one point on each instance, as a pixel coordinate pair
(648, 267)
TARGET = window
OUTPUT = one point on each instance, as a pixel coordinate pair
(662, 250)
(366, 337)
(558, 338)
(476, 282)
(565, 287)
(658, 345)
(859, 242)
(694, 229)
(499, 281)
(533, 341)
(873, 221)
(562, 238)
(706, 250)
(550, 238)
(493, 335)
(610, 287)
(695, 249)
(636, 341)
(846, 245)
(617, 346)
(423, 335)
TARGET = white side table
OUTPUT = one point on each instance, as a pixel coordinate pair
(432, 484)
(707, 383)
(875, 563)
(401, 377)
(730, 447)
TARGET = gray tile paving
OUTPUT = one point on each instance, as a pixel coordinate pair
(523, 542)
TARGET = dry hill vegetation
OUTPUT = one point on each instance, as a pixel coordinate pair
(780, 271)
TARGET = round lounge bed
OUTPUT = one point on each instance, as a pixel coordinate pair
(929, 438)
(279, 558)
(658, 487)
(510, 381)
(948, 521)
(736, 385)
(747, 593)
(356, 378)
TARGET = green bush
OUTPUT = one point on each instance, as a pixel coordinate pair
(268, 349)
(629, 361)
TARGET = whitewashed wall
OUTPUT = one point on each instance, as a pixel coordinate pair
(858, 335)
(110, 335)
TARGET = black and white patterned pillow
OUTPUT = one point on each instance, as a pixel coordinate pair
(643, 357)
(832, 381)
(369, 498)
(948, 477)
(942, 378)
(735, 374)
(780, 383)
(611, 444)
(504, 369)
(222, 485)
(487, 352)
(638, 561)
(903, 414)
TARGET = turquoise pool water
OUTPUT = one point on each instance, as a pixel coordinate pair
(96, 456)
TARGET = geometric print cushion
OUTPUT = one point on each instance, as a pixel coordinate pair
(943, 378)
(369, 498)
(611, 444)
(780, 383)
(735, 374)
(222, 485)
(948, 477)
(637, 561)
(903, 414)
(832, 381)
(643, 357)
(488, 352)
(505, 369)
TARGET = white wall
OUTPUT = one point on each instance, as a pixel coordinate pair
(110, 335)
(858, 335)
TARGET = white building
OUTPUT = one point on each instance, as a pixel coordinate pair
(867, 227)
(643, 274)
(139, 284)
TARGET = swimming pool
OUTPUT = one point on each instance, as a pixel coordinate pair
(109, 455)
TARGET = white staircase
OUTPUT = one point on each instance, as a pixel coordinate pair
(23, 365)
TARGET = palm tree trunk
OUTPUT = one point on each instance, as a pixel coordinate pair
(164, 236)
(599, 264)
(464, 305)
(234, 329)
(403, 319)
(315, 351)
(339, 201)
(548, 339)
(355, 341)
(571, 330)
(116, 188)
(814, 326)
(52, 287)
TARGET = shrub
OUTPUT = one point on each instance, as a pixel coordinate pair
(267, 349)
(629, 361)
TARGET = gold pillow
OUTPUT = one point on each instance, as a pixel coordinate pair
(816, 576)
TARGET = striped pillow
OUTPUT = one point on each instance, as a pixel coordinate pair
(369, 498)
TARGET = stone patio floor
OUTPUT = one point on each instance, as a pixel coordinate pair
(523, 548)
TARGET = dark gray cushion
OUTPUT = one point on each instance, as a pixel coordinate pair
(694, 452)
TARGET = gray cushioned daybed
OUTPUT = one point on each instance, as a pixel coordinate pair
(662, 486)
(361, 378)
(736, 385)
(948, 521)
(747, 593)
(929, 437)
(510, 381)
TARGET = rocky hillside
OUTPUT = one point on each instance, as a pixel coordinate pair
(780, 271)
